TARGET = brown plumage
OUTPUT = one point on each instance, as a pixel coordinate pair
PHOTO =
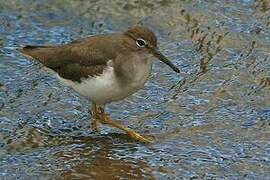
(103, 68)
(88, 56)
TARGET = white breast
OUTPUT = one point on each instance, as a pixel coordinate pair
(105, 88)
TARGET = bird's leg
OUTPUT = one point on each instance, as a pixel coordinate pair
(105, 119)
(94, 117)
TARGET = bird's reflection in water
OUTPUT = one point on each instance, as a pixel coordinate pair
(107, 160)
(77, 157)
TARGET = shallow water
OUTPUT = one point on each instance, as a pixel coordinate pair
(210, 122)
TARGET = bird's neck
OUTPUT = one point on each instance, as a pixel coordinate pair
(134, 68)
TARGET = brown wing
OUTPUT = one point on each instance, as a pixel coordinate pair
(76, 60)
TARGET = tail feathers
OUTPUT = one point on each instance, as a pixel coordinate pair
(40, 53)
(33, 47)
(29, 49)
(47, 55)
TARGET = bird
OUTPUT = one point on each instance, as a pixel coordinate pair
(103, 68)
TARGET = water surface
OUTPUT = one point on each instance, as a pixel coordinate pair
(211, 121)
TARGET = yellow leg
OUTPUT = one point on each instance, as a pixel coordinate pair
(94, 117)
(105, 119)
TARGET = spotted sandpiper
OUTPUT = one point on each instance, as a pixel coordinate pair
(103, 68)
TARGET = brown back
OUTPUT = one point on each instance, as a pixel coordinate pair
(78, 59)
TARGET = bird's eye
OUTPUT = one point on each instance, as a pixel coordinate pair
(141, 43)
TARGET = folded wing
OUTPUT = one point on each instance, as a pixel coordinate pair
(72, 61)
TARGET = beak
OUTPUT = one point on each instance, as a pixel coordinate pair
(162, 58)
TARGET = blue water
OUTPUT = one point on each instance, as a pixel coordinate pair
(210, 122)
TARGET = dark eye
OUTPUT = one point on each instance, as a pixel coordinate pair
(141, 43)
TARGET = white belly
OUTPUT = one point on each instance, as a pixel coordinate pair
(105, 88)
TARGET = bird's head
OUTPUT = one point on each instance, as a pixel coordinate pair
(144, 40)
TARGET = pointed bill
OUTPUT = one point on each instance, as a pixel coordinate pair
(162, 58)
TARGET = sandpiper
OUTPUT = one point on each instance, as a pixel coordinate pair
(103, 68)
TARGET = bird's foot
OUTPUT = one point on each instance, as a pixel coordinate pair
(138, 137)
(99, 115)
(93, 125)
(105, 119)
(94, 120)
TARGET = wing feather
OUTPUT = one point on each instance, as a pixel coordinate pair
(73, 61)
